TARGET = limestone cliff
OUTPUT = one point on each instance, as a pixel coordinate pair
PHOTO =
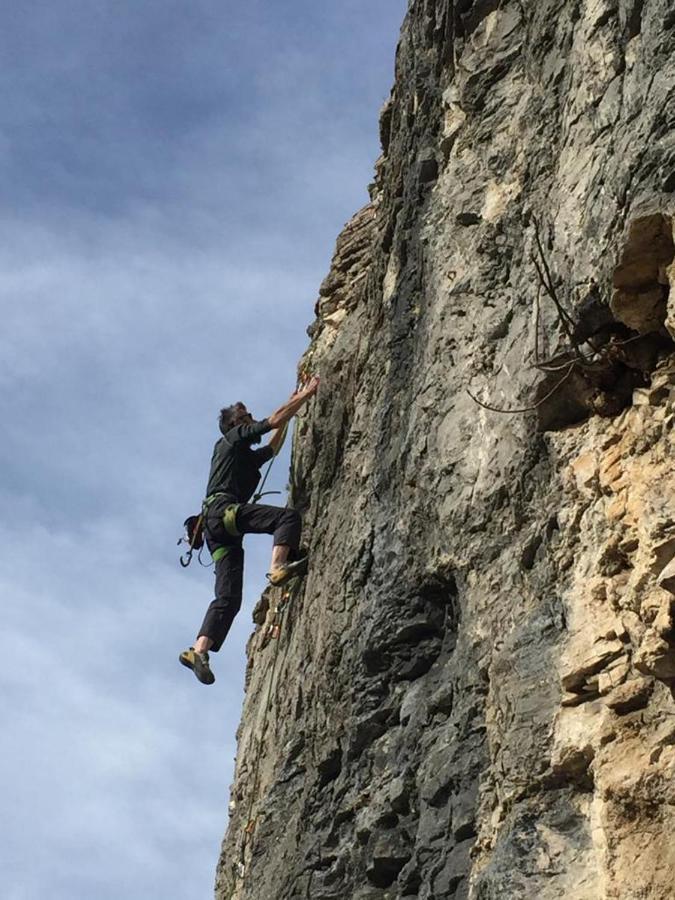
(471, 696)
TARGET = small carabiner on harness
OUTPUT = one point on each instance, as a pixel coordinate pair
(186, 558)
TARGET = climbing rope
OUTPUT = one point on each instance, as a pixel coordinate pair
(273, 631)
(303, 377)
(261, 492)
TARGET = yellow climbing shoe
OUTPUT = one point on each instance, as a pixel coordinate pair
(199, 663)
(282, 574)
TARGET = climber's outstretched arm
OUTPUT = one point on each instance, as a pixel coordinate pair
(297, 400)
(277, 439)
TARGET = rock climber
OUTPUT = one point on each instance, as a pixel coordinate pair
(228, 515)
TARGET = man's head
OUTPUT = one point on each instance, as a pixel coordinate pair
(230, 416)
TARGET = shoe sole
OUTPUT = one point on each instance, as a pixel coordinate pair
(205, 676)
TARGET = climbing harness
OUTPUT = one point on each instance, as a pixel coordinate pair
(229, 516)
(229, 522)
(194, 531)
(272, 632)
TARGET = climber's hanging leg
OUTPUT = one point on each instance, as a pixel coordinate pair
(229, 571)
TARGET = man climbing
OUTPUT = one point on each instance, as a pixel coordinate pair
(234, 476)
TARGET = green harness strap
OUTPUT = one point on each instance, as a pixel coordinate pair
(230, 520)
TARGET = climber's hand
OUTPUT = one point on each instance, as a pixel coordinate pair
(311, 387)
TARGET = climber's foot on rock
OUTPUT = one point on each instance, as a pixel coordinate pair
(282, 574)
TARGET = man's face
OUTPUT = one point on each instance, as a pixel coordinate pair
(244, 417)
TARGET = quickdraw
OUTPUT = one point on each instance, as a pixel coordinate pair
(273, 628)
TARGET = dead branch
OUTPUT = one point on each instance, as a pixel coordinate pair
(539, 402)
(600, 353)
(537, 312)
(546, 280)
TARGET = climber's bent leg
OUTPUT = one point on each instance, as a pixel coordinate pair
(279, 555)
(285, 524)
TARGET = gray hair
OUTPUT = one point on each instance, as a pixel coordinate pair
(228, 415)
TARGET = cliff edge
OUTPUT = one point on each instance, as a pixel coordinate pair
(471, 695)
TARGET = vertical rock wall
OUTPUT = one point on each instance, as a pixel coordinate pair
(471, 696)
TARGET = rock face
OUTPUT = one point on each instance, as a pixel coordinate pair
(471, 694)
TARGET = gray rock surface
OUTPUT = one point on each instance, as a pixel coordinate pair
(471, 696)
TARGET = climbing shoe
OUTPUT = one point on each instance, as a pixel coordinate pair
(199, 663)
(284, 573)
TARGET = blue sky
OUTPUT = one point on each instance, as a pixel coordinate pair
(174, 177)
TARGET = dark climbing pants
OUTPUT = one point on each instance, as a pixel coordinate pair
(252, 518)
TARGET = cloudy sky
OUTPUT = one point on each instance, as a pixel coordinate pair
(174, 177)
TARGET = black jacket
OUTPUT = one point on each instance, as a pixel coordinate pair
(235, 466)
